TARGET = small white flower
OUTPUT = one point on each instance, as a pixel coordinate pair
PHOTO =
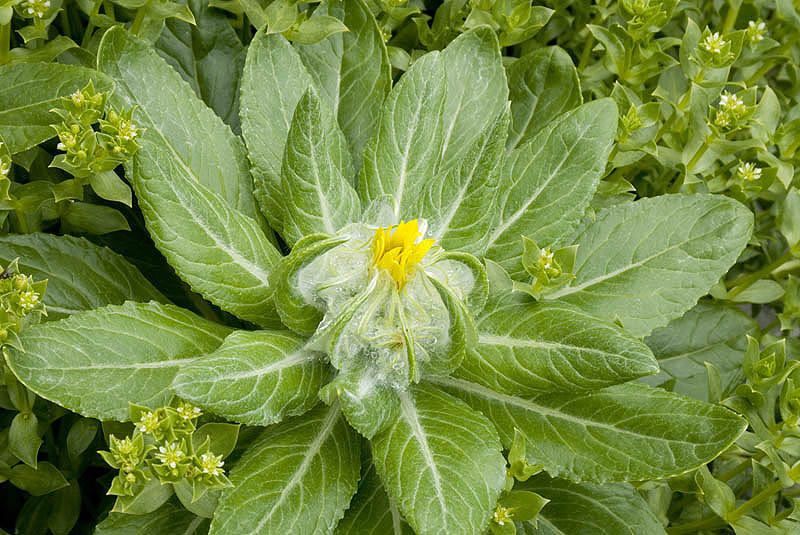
(713, 43)
(28, 300)
(170, 455)
(148, 423)
(756, 31)
(748, 171)
(731, 103)
(211, 464)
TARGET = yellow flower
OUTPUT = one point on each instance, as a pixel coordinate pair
(396, 250)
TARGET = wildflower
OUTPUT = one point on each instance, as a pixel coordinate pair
(714, 43)
(4, 170)
(28, 300)
(731, 103)
(188, 411)
(756, 31)
(149, 422)
(502, 515)
(397, 250)
(211, 464)
(170, 455)
(37, 8)
(748, 171)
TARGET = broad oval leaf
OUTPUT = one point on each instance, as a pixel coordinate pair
(371, 512)
(169, 519)
(543, 84)
(80, 275)
(273, 81)
(440, 463)
(709, 332)
(316, 174)
(649, 261)
(627, 432)
(30, 90)
(527, 349)
(178, 125)
(547, 183)
(255, 377)
(95, 362)
(297, 477)
(587, 509)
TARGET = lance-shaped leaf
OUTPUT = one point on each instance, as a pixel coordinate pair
(458, 207)
(371, 512)
(707, 333)
(543, 85)
(648, 262)
(169, 519)
(179, 126)
(440, 463)
(297, 477)
(627, 432)
(476, 91)
(405, 152)
(529, 348)
(95, 362)
(80, 275)
(351, 70)
(255, 377)
(587, 509)
(273, 81)
(547, 183)
(30, 90)
(316, 174)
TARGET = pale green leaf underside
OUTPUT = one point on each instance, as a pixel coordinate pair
(80, 275)
(707, 333)
(255, 377)
(95, 362)
(371, 512)
(176, 121)
(530, 348)
(627, 432)
(648, 262)
(169, 519)
(547, 183)
(317, 174)
(29, 91)
(543, 85)
(297, 477)
(587, 509)
(273, 81)
(440, 463)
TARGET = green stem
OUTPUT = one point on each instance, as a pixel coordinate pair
(587, 53)
(697, 155)
(66, 27)
(742, 283)
(137, 22)
(756, 500)
(730, 18)
(694, 527)
(5, 43)
(89, 26)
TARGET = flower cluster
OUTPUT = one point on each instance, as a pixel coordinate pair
(549, 270)
(21, 301)
(732, 112)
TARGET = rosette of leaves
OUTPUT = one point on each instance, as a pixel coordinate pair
(386, 348)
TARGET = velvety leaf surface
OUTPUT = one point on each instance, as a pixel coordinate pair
(441, 463)
(628, 432)
(273, 81)
(209, 56)
(530, 348)
(316, 174)
(547, 183)
(255, 377)
(95, 362)
(649, 261)
(587, 509)
(707, 333)
(80, 275)
(169, 519)
(29, 91)
(542, 85)
(371, 512)
(297, 477)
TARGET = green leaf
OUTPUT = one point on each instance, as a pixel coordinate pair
(543, 85)
(547, 183)
(255, 377)
(43, 479)
(80, 275)
(179, 126)
(351, 71)
(273, 81)
(648, 262)
(297, 477)
(109, 186)
(531, 348)
(476, 91)
(316, 174)
(405, 152)
(209, 56)
(371, 512)
(24, 439)
(96, 362)
(169, 519)
(148, 499)
(586, 509)
(456, 205)
(707, 333)
(440, 463)
(628, 432)
(29, 91)
(84, 217)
